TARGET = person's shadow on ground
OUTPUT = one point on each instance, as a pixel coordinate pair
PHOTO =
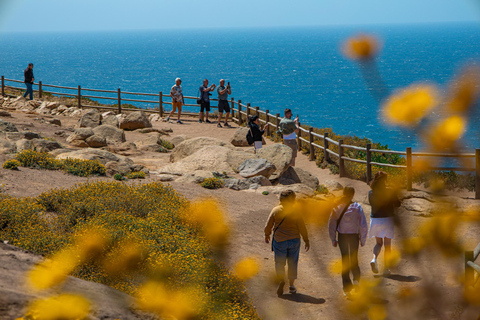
(302, 298)
(398, 277)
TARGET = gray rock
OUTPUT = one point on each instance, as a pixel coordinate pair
(90, 119)
(260, 180)
(166, 177)
(256, 167)
(418, 205)
(4, 113)
(135, 120)
(332, 185)
(80, 134)
(6, 146)
(78, 143)
(54, 121)
(42, 145)
(96, 141)
(14, 136)
(6, 126)
(239, 137)
(111, 120)
(177, 139)
(137, 167)
(114, 167)
(197, 176)
(279, 155)
(23, 144)
(90, 154)
(190, 146)
(112, 134)
(297, 175)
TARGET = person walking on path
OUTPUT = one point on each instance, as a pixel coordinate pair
(177, 99)
(254, 125)
(348, 219)
(287, 225)
(383, 201)
(28, 73)
(288, 128)
(205, 98)
(223, 93)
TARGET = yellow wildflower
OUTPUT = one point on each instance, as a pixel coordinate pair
(52, 272)
(247, 268)
(377, 312)
(125, 259)
(62, 307)
(409, 106)
(392, 258)
(465, 91)
(412, 245)
(361, 47)
(445, 134)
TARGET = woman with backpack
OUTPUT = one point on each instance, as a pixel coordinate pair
(255, 132)
(348, 219)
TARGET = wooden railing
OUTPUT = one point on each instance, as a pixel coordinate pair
(471, 267)
(240, 113)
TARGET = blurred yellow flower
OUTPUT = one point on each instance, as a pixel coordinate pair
(465, 90)
(412, 245)
(315, 211)
(361, 47)
(52, 272)
(124, 259)
(247, 268)
(392, 258)
(445, 134)
(377, 312)
(409, 106)
(91, 244)
(62, 307)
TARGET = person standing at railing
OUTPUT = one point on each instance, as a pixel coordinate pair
(257, 133)
(177, 99)
(28, 73)
(205, 98)
(223, 93)
(383, 201)
(288, 128)
(348, 219)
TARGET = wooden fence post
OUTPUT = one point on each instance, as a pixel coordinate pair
(239, 116)
(119, 101)
(477, 173)
(248, 110)
(256, 112)
(326, 155)
(341, 162)
(409, 168)
(267, 120)
(40, 89)
(299, 135)
(160, 104)
(3, 85)
(232, 105)
(310, 139)
(79, 97)
(469, 272)
(369, 165)
(277, 120)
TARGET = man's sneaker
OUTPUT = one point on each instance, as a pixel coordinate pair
(227, 125)
(280, 288)
(179, 122)
(373, 265)
(208, 121)
(200, 121)
(219, 125)
(292, 289)
(168, 118)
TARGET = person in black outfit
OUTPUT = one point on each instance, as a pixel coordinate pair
(28, 73)
(254, 125)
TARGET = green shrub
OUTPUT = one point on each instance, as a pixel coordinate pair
(136, 175)
(166, 144)
(213, 183)
(83, 168)
(11, 164)
(37, 160)
(118, 176)
(321, 189)
(265, 193)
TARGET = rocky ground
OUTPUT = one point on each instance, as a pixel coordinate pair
(133, 143)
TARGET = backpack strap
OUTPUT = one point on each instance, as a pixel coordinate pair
(342, 214)
(273, 235)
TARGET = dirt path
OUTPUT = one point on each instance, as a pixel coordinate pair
(319, 292)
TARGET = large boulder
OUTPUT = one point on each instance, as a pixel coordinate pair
(114, 167)
(39, 145)
(177, 139)
(190, 146)
(256, 167)
(80, 134)
(279, 155)
(112, 134)
(111, 120)
(245, 184)
(300, 189)
(197, 176)
(239, 137)
(6, 146)
(90, 119)
(135, 120)
(297, 175)
(96, 141)
(15, 136)
(90, 154)
(6, 126)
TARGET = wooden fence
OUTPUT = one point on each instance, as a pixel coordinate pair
(240, 113)
(471, 267)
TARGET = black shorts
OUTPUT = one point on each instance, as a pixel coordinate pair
(205, 106)
(223, 106)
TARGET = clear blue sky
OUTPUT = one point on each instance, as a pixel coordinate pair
(96, 15)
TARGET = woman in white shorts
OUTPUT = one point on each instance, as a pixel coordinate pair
(383, 201)
(254, 125)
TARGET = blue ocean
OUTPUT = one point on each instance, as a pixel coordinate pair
(298, 68)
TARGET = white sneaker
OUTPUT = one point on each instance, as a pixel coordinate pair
(374, 266)
(292, 290)
(168, 118)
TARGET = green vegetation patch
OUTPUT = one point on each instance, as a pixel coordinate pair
(213, 183)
